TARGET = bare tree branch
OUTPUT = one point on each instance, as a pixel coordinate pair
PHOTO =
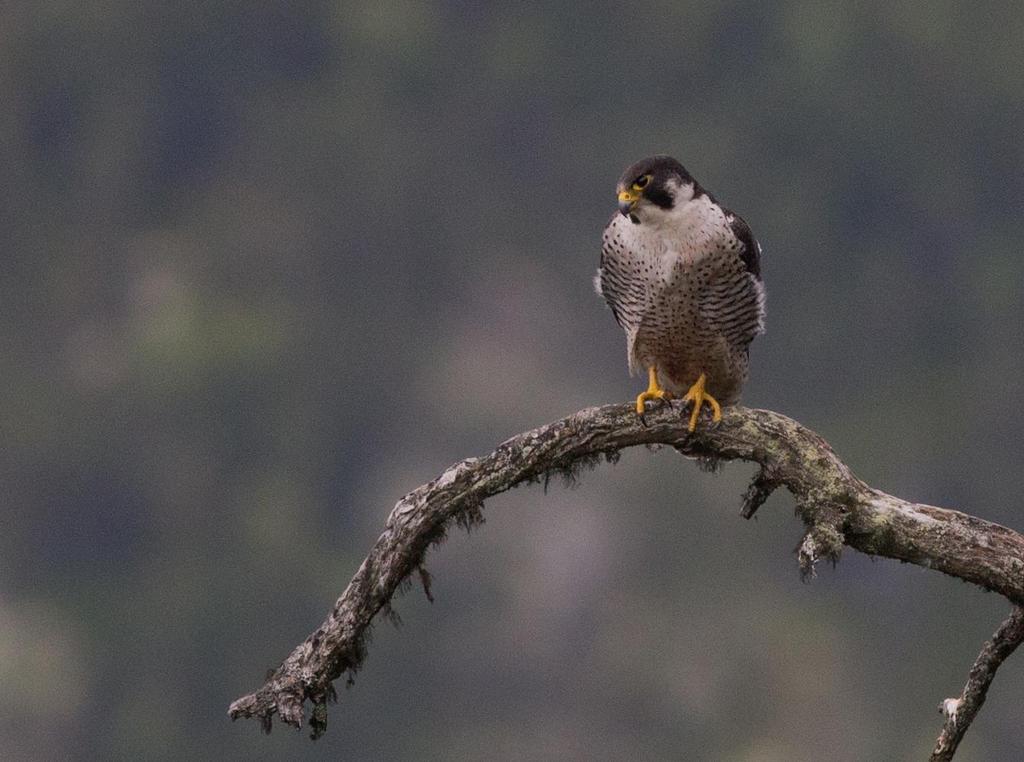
(961, 711)
(836, 508)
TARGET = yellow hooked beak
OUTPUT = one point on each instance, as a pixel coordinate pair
(627, 200)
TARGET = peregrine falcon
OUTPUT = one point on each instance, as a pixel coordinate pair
(682, 276)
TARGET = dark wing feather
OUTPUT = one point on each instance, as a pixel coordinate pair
(617, 279)
(734, 306)
(751, 252)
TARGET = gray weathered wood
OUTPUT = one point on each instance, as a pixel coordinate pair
(836, 507)
(962, 710)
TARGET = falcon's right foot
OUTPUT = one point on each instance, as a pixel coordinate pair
(654, 391)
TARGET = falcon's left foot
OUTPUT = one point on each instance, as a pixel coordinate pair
(698, 396)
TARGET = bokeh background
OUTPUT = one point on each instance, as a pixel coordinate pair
(269, 265)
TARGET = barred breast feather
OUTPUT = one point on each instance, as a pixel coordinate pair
(689, 295)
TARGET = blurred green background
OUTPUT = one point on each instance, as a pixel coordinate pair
(267, 266)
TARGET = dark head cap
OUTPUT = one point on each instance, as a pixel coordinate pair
(649, 179)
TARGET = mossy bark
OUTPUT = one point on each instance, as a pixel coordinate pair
(835, 506)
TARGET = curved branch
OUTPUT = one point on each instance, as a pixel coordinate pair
(836, 507)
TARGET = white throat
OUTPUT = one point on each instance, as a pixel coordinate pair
(691, 219)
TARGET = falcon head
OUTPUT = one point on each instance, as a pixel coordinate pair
(652, 187)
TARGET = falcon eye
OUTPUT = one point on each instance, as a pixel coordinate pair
(641, 182)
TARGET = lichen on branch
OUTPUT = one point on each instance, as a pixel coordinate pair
(835, 506)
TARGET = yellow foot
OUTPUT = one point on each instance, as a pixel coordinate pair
(698, 396)
(654, 391)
